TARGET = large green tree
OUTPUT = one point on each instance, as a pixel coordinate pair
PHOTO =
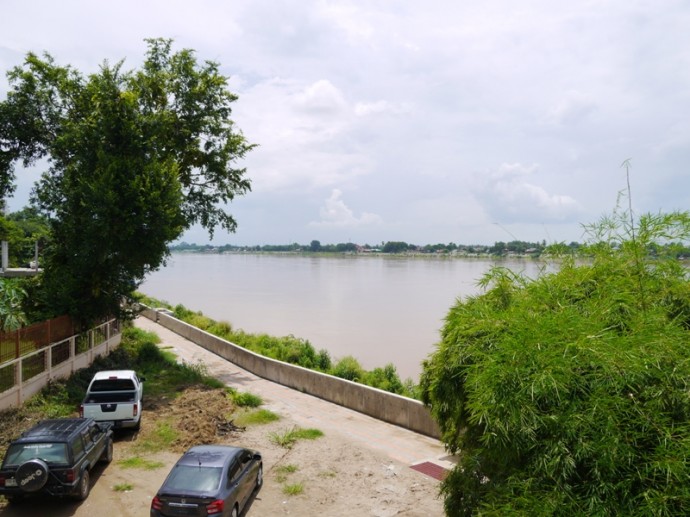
(569, 394)
(135, 158)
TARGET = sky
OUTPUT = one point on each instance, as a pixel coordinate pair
(424, 122)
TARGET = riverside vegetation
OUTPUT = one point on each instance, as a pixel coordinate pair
(294, 350)
(569, 394)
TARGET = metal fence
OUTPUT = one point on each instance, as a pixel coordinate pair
(17, 343)
(26, 374)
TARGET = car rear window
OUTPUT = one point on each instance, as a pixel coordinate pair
(186, 477)
(52, 453)
(112, 385)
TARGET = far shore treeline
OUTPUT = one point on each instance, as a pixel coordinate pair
(498, 249)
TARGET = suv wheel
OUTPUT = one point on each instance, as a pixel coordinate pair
(32, 475)
(84, 486)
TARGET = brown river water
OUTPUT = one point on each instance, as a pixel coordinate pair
(379, 309)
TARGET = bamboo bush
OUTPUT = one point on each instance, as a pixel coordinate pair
(568, 394)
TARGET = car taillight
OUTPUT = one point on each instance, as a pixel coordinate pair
(2, 480)
(135, 409)
(215, 507)
(81, 410)
(156, 503)
(69, 475)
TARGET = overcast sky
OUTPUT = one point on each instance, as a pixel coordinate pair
(423, 122)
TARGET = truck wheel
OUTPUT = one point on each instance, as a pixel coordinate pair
(137, 426)
(32, 475)
(84, 486)
(107, 455)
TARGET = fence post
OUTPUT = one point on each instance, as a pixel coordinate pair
(19, 380)
(49, 361)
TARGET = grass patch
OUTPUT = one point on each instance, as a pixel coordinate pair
(158, 439)
(288, 437)
(293, 489)
(328, 474)
(123, 487)
(308, 434)
(283, 470)
(137, 462)
(245, 399)
(256, 417)
(287, 469)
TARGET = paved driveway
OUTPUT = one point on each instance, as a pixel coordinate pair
(396, 442)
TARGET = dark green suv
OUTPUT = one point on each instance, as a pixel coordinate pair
(54, 457)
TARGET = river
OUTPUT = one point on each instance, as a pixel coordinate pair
(379, 309)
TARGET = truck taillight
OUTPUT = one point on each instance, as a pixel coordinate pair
(81, 410)
(135, 410)
(2, 480)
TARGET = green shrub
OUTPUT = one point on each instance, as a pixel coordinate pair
(568, 394)
(323, 361)
(385, 378)
(348, 368)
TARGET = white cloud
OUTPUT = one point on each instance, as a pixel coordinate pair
(322, 98)
(508, 196)
(571, 109)
(335, 213)
(364, 109)
(412, 99)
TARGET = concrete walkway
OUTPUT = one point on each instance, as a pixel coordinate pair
(397, 443)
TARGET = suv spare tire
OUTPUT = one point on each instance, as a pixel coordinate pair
(32, 475)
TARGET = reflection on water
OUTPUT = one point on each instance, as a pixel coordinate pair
(379, 309)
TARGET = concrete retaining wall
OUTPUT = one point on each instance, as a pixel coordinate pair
(402, 411)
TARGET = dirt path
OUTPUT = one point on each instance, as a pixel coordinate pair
(361, 466)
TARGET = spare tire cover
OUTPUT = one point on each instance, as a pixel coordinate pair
(32, 475)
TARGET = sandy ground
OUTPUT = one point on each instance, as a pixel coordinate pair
(341, 473)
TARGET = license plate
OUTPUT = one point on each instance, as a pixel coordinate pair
(10, 482)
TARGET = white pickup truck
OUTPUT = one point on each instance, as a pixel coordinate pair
(114, 396)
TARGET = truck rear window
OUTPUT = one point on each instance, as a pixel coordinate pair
(51, 453)
(102, 398)
(112, 385)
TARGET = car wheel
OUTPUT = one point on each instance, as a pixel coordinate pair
(260, 476)
(234, 511)
(107, 455)
(84, 486)
(32, 475)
